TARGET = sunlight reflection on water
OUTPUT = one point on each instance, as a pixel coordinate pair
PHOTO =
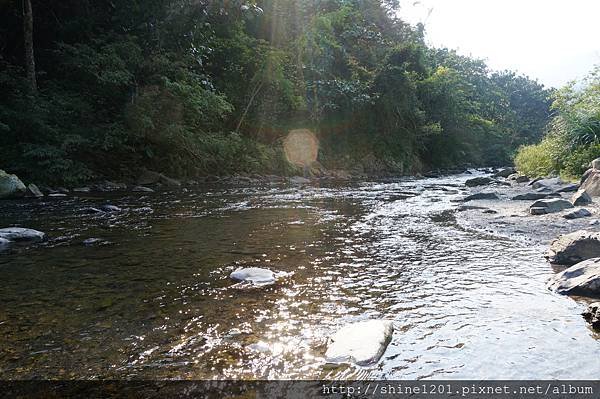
(158, 302)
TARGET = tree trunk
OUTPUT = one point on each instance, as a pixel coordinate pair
(28, 35)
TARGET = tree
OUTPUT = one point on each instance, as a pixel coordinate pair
(28, 39)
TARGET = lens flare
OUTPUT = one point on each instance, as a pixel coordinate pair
(301, 147)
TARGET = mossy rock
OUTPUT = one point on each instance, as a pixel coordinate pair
(11, 186)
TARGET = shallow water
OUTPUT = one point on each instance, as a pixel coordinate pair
(155, 301)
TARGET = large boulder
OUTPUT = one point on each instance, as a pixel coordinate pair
(552, 205)
(362, 343)
(591, 182)
(574, 247)
(580, 279)
(11, 186)
(21, 234)
(581, 197)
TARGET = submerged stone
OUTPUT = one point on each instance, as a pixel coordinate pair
(254, 275)
(142, 189)
(109, 208)
(362, 343)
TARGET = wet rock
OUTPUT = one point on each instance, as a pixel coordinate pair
(552, 205)
(529, 197)
(582, 278)
(92, 210)
(592, 315)
(505, 172)
(479, 181)
(481, 196)
(109, 208)
(581, 197)
(362, 343)
(142, 189)
(107, 186)
(11, 186)
(579, 213)
(489, 211)
(21, 234)
(58, 195)
(254, 275)
(569, 188)
(34, 191)
(574, 247)
(4, 242)
(63, 190)
(82, 190)
(91, 241)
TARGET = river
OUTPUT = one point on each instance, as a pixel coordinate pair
(153, 299)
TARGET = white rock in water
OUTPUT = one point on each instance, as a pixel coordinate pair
(21, 234)
(254, 275)
(362, 343)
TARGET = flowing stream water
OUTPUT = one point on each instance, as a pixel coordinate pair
(153, 300)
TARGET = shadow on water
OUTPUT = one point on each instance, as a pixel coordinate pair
(152, 298)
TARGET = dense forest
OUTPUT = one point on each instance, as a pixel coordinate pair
(573, 137)
(96, 89)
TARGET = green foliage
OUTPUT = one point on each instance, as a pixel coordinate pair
(542, 159)
(199, 87)
(574, 132)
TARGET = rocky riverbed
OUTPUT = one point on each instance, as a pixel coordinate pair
(260, 280)
(512, 219)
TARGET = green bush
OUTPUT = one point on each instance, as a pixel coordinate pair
(540, 159)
